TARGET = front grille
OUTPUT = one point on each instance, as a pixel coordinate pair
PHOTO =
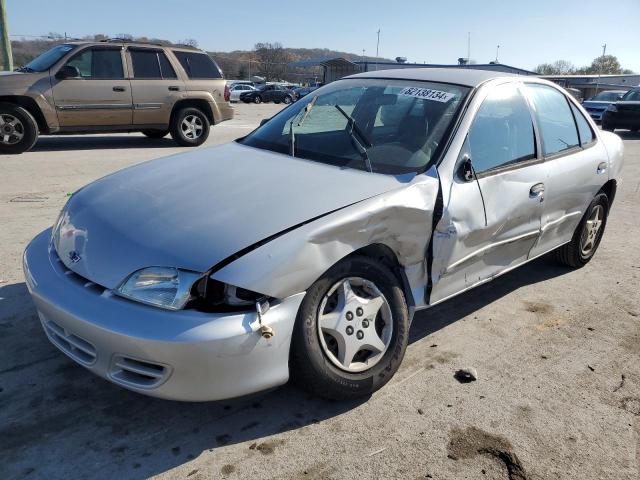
(74, 346)
(137, 373)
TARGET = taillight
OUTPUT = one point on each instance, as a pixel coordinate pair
(227, 93)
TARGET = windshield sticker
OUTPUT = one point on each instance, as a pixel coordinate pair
(427, 94)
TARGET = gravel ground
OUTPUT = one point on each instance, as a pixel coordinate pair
(556, 351)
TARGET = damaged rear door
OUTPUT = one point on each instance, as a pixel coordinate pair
(492, 206)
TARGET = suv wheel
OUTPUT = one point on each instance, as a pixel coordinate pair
(155, 133)
(351, 331)
(189, 127)
(18, 129)
(258, 99)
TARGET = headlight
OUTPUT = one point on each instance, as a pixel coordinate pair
(164, 287)
(612, 108)
(214, 296)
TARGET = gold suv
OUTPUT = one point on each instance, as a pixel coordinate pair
(113, 86)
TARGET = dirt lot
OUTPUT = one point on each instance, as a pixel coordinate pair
(557, 354)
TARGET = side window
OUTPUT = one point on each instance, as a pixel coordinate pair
(145, 64)
(502, 132)
(99, 63)
(165, 66)
(557, 127)
(586, 134)
(198, 65)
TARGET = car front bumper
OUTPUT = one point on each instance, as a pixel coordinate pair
(179, 355)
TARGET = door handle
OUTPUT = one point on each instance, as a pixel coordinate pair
(173, 88)
(537, 191)
(602, 167)
(119, 89)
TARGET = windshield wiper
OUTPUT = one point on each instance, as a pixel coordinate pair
(353, 130)
(292, 135)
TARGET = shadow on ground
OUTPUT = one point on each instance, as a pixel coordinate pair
(93, 142)
(55, 415)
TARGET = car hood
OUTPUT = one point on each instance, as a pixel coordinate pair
(196, 209)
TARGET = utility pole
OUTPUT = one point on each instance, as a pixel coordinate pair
(497, 51)
(468, 48)
(7, 57)
(377, 49)
(604, 51)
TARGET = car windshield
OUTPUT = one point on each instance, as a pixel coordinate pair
(400, 123)
(606, 97)
(632, 96)
(48, 58)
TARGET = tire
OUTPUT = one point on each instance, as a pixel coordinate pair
(257, 99)
(607, 127)
(155, 133)
(18, 131)
(575, 253)
(180, 131)
(287, 100)
(313, 365)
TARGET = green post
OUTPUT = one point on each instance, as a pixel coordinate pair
(7, 57)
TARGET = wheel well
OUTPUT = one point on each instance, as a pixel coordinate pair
(609, 189)
(387, 257)
(202, 105)
(30, 105)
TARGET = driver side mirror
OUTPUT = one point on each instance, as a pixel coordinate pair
(465, 170)
(68, 71)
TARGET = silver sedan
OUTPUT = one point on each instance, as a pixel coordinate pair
(303, 249)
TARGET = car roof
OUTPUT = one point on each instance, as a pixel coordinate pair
(470, 77)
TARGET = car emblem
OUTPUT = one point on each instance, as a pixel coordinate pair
(74, 256)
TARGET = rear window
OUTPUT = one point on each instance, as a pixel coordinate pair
(198, 65)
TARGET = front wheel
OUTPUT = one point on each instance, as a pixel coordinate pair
(287, 100)
(257, 100)
(587, 235)
(189, 127)
(18, 129)
(351, 331)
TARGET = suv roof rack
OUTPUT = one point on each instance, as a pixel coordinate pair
(128, 40)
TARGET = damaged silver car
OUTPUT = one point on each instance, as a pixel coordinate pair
(305, 248)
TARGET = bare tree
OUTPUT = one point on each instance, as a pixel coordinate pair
(272, 60)
(559, 67)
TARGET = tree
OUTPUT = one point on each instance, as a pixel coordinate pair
(606, 64)
(189, 42)
(272, 60)
(559, 67)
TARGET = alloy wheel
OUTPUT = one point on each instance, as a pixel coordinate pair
(591, 230)
(192, 127)
(11, 129)
(355, 324)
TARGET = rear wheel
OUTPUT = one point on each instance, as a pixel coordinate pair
(189, 127)
(18, 129)
(351, 331)
(587, 235)
(155, 133)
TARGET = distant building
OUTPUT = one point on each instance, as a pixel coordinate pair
(336, 68)
(588, 84)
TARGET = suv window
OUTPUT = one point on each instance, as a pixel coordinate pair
(586, 134)
(502, 132)
(149, 64)
(198, 65)
(631, 96)
(99, 63)
(556, 123)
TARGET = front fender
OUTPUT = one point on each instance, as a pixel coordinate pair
(291, 263)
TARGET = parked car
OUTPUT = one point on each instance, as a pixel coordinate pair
(304, 248)
(237, 89)
(304, 91)
(597, 104)
(268, 93)
(624, 113)
(113, 86)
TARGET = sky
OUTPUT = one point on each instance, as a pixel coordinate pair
(529, 32)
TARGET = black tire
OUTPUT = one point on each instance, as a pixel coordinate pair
(572, 254)
(155, 133)
(25, 125)
(182, 138)
(607, 127)
(310, 366)
(257, 99)
(287, 100)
